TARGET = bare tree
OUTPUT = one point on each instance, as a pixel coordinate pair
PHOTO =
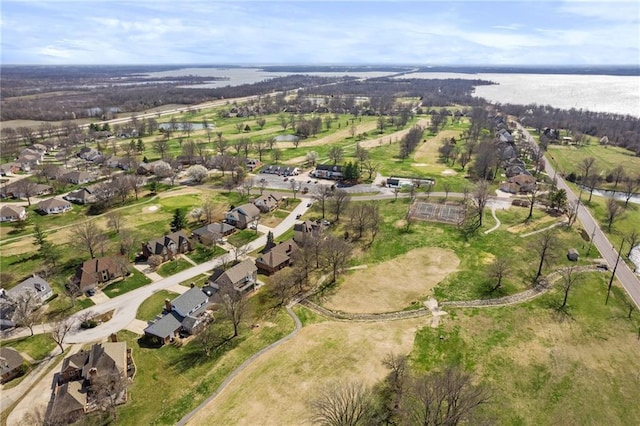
(295, 187)
(276, 154)
(109, 390)
(532, 196)
(633, 237)
(25, 306)
(115, 220)
(618, 175)
(370, 166)
(339, 202)
(261, 147)
(87, 236)
(160, 146)
(497, 270)
(59, 331)
(239, 251)
(336, 253)
(591, 182)
(443, 398)
(397, 378)
(572, 212)
(614, 211)
(586, 167)
(312, 157)
(446, 186)
(480, 198)
(336, 154)
(568, 280)
(221, 144)
(341, 404)
(26, 188)
(121, 186)
(544, 245)
(209, 338)
(234, 305)
(630, 186)
(322, 196)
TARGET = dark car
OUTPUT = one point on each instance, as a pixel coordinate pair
(90, 292)
(298, 216)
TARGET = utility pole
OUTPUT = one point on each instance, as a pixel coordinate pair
(613, 273)
(593, 234)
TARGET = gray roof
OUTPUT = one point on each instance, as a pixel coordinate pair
(52, 203)
(10, 359)
(214, 228)
(35, 283)
(240, 271)
(10, 210)
(165, 326)
(189, 300)
(248, 210)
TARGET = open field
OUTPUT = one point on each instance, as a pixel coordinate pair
(275, 388)
(569, 158)
(545, 367)
(394, 284)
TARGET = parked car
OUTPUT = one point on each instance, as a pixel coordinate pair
(286, 179)
(90, 292)
(298, 216)
(305, 190)
(308, 204)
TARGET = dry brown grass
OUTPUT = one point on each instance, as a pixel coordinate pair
(274, 390)
(393, 285)
(427, 155)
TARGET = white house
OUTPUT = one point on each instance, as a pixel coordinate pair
(54, 206)
(9, 213)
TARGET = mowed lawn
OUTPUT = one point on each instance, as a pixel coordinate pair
(275, 389)
(569, 158)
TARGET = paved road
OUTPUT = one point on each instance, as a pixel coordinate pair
(126, 306)
(624, 274)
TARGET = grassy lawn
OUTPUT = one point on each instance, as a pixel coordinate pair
(578, 367)
(135, 280)
(61, 306)
(37, 346)
(173, 267)
(154, 305)
(184, 375)
(627, 222)
(569, 158)
(199, 280)
(203, 254)
(243, 237)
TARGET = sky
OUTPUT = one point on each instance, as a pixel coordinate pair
(320, 32)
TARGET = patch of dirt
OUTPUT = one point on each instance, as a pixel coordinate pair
(393, 136)
(448, 172)
(150, 209)
(400, 224)
(275, 389)
(394, 285)
(177, 192)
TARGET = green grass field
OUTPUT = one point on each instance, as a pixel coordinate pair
(37, 346)
(173, 267)
(132, 282)
(154, 305)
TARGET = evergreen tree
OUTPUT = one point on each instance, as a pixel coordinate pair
(179, 220)
(140, 145)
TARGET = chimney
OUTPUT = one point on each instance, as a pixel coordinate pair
(114, 337)
(167, 305)
(93, 374)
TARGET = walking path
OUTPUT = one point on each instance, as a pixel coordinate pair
(498, 223)
(528, 234)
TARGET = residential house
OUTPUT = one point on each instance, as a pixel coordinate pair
(168, 246)
(18, 190)
(301, 231)
(278, 257)
(54, 206)
(328, 171)
(184, 314)
(77, 177)
(213, 230)
(242, 277)
(519, 184)
(90, 154)
(51, 171)
(35, 284)
(10, 364)
(10, 213)
(243, 216)
(150, 168)
(7, 169)
(98, 271)
(268, 202)
(81, 196)
(72, 397)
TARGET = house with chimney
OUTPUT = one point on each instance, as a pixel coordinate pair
(183, 315)
(213, 231)
(108, 364)
(303, 230)
(243, 216)
(168, 246)
(277, 257)
(243, 277)
(98, 271)
(35, 284)
(268, 202)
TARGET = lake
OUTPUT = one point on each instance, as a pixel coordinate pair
(602, 93)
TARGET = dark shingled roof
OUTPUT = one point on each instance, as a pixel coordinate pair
(165, 326)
